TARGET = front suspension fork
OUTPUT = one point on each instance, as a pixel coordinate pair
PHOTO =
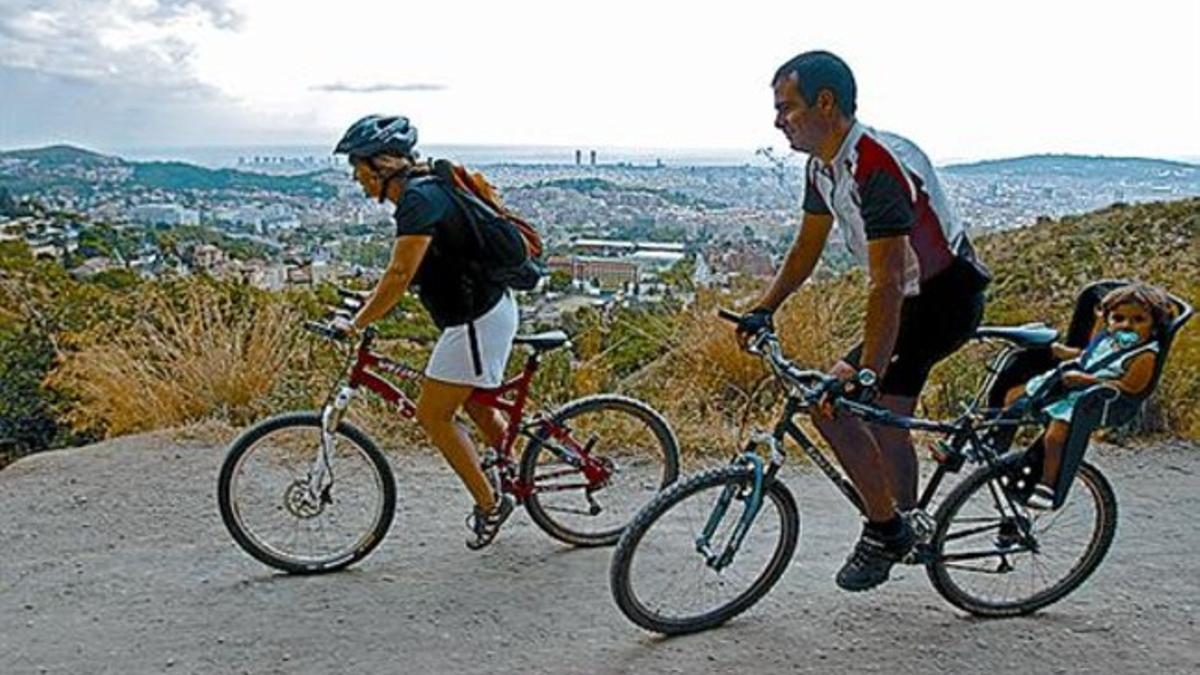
(762, 472)
(320, 473)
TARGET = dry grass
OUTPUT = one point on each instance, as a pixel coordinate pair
(713, 393)
(199, 350)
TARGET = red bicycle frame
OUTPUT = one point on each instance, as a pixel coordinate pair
(509, 398)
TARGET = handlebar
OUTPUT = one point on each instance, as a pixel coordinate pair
(328, 332)
(811, 384)
(351, 302)
(325, 331)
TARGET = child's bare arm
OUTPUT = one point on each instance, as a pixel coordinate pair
(1063, 352)
(1137, 375)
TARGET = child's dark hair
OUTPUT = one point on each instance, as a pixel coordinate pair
(1154, 299)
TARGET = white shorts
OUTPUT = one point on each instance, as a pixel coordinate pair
(452, 359)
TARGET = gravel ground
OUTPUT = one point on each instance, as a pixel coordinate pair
(115, 561)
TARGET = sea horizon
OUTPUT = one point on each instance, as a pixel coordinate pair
(234, 156)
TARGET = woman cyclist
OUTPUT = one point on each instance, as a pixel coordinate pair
(436, 252)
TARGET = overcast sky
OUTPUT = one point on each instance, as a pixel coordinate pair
(965, 80)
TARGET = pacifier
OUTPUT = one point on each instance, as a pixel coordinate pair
(1126, 338)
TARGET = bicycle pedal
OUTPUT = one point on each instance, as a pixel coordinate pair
(921, 554)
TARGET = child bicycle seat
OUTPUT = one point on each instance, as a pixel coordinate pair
(1101, 405)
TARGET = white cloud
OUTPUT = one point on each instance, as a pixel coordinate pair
(964, 80)
(339, 87)
(126, 42)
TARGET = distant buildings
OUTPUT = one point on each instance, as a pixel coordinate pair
(718, 264)
(164, 214)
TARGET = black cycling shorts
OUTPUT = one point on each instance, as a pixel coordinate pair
(933, 325)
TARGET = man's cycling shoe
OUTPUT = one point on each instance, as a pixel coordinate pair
(871, 561)
(485, 524)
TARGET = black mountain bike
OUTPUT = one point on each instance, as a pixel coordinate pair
(709, 547)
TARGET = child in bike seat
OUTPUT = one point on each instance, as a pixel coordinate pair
(1121, 353)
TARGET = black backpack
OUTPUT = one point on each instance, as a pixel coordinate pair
(509, 247)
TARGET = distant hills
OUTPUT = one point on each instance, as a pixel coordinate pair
(69, 168)
(81, 172)
(1074, 165)
(53, 156)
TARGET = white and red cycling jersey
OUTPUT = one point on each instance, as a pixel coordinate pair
(881, 185)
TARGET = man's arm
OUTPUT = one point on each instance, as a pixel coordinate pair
(407, 253)
(800, 261)
(886, 261)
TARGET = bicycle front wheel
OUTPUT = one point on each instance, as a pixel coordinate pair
(593, 464)
(664, 582)
(267, 501)
(994, 557)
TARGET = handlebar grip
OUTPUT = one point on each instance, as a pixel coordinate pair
(728, 315)
(323, 331)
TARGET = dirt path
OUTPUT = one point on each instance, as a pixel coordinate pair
(115, 561)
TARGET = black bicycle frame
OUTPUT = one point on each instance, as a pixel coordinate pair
(961, 431)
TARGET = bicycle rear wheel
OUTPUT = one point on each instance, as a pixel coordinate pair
(265, 501)
(593, 464)
(663, 583)
(993, 557)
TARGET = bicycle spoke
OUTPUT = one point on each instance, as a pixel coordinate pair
(673, 580)
(288, 524)
(606, 461)
(1039, 555)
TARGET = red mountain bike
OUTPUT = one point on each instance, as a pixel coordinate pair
(308, 492)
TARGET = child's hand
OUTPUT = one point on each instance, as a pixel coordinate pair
(1077, 380)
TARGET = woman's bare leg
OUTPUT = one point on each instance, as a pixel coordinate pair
(489, 421)
(436, 407)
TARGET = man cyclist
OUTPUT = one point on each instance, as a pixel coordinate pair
(434, 250)
(925, 287)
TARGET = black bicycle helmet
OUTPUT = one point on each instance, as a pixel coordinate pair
(375, 134)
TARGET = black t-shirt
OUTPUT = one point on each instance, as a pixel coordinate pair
(447, 281)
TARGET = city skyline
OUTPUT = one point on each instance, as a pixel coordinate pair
(966, 84)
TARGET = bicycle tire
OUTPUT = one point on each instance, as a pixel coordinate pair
(261, 550)
(621, 576)
(1090, 484)
(656, 428)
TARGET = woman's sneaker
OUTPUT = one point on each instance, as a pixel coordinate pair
(1041, 499)
(485, 524)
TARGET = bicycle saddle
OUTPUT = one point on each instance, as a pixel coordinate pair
(542, 341)
(1027, 335)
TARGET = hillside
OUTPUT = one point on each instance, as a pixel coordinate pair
(1038, 272)
(1037, 266)
(208, 348)
(1075, 165)
(79, 171)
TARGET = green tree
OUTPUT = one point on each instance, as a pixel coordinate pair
(559, 280)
